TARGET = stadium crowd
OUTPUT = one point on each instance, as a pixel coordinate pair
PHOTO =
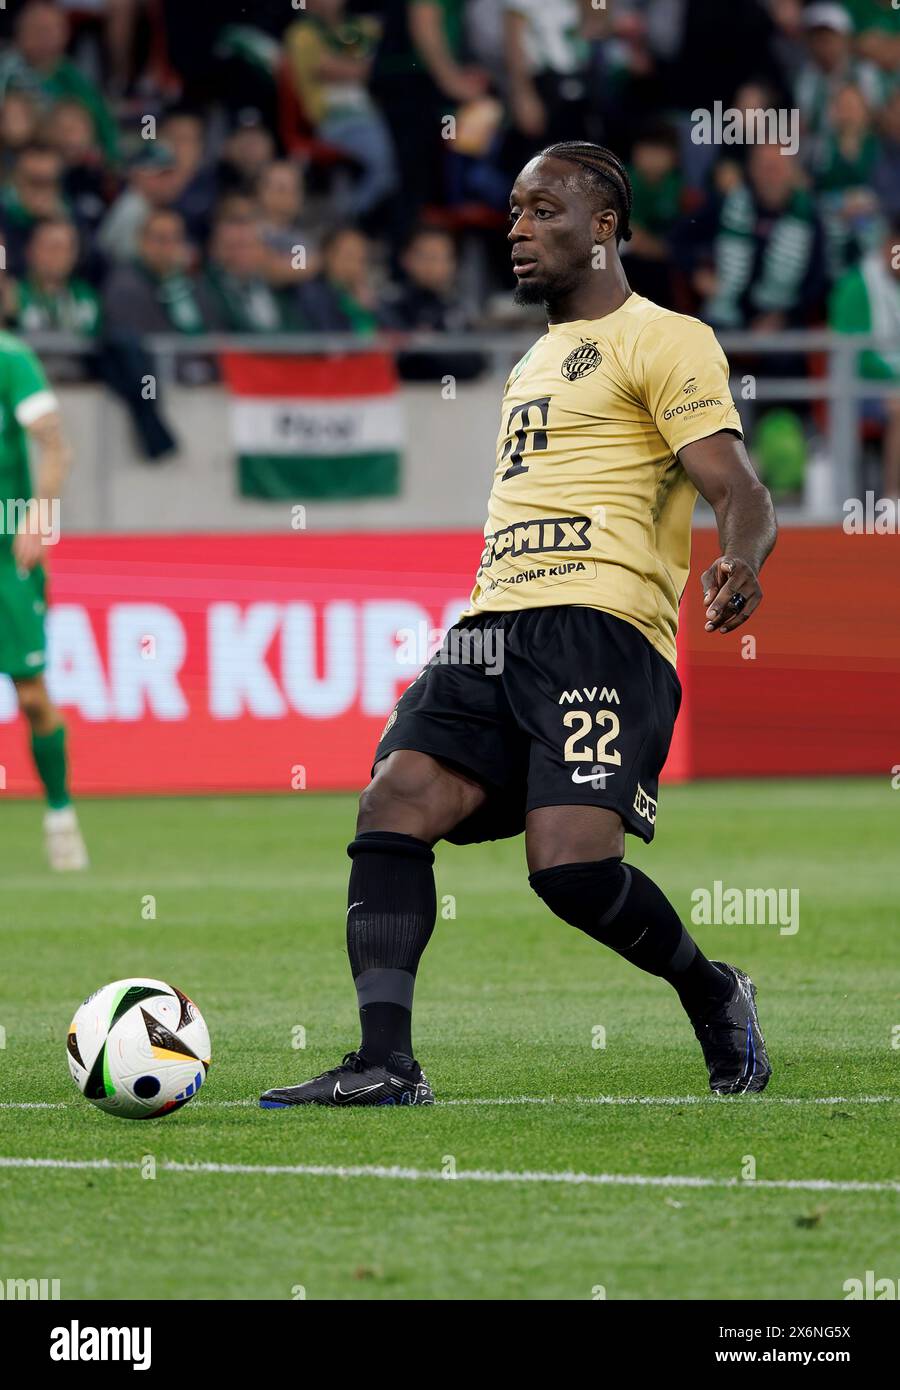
(344, 165)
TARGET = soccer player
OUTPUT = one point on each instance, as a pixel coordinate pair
(610, 426)
(29, 412)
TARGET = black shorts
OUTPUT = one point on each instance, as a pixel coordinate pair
(563, 706)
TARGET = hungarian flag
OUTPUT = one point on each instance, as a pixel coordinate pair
(310, 427)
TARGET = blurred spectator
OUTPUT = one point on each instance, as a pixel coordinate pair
(627, 67)
(33, 193)
(342, 297)
(426, 298)
(183, 133)
(547, 61)
(291, 244)
(877, 24)
(227, 52)
(49, 296)
(426, 301)
(330, 58)
(657, 189)
(247, 150)
(152, 183)
(694, 237)
(19, 121)
(831, 64)
(848, 204)
(749, 98)
(719, 49)
(768, 248)
(70, 130)
(157, 292)
(769, 276)
(867, 300)
(236, 276)
(787, 41)
(105, 39)
(236, 207)
(886, 174)
(37, 63)
(420, 75)
(247, 53)
(486, 39)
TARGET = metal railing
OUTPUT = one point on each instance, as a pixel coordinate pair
(840, 386)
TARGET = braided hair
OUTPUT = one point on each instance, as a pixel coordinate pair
(603, 173)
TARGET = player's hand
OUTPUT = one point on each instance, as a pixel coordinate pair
(27, 549)
(725, 578)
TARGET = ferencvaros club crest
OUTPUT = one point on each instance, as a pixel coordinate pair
(581, 361)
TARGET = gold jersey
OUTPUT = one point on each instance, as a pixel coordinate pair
(589, 504)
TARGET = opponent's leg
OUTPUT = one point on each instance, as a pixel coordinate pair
(575, 863)
(65, 846)
(412, 801)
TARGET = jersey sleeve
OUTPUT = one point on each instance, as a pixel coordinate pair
(681, 376)
(27, 387)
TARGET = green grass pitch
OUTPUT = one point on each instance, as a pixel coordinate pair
(250, 897)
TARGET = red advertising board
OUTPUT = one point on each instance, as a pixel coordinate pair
(265, 663)
(810, 685)
(226, 663)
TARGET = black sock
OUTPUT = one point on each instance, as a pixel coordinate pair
(618, 905)
(390, 917)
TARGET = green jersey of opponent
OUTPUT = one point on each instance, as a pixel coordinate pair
(24, 397)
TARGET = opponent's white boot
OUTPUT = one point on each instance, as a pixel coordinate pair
(62, 837)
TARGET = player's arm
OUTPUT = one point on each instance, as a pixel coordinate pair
(53, 458)
(429, 36)
(721, 472)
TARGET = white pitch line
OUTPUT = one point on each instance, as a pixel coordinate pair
(668, 1100)
(365, 1170)
(35, 1104)
(538, 1100)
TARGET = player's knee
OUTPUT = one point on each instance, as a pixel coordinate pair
(33, 700)
(399, 797)
(375, 803)
(584, 895)
(414, 794)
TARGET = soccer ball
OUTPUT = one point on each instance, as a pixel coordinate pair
(138, 1048)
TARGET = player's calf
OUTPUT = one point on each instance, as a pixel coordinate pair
(62, 835)
(621, 907)
(616, 904)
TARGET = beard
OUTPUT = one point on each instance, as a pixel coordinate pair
(531, 292)
(545, 289)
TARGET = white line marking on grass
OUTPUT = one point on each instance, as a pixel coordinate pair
(34, 1104)
(668, 1100)
(366, 1170)
(628, 1100)
(537, 1100)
